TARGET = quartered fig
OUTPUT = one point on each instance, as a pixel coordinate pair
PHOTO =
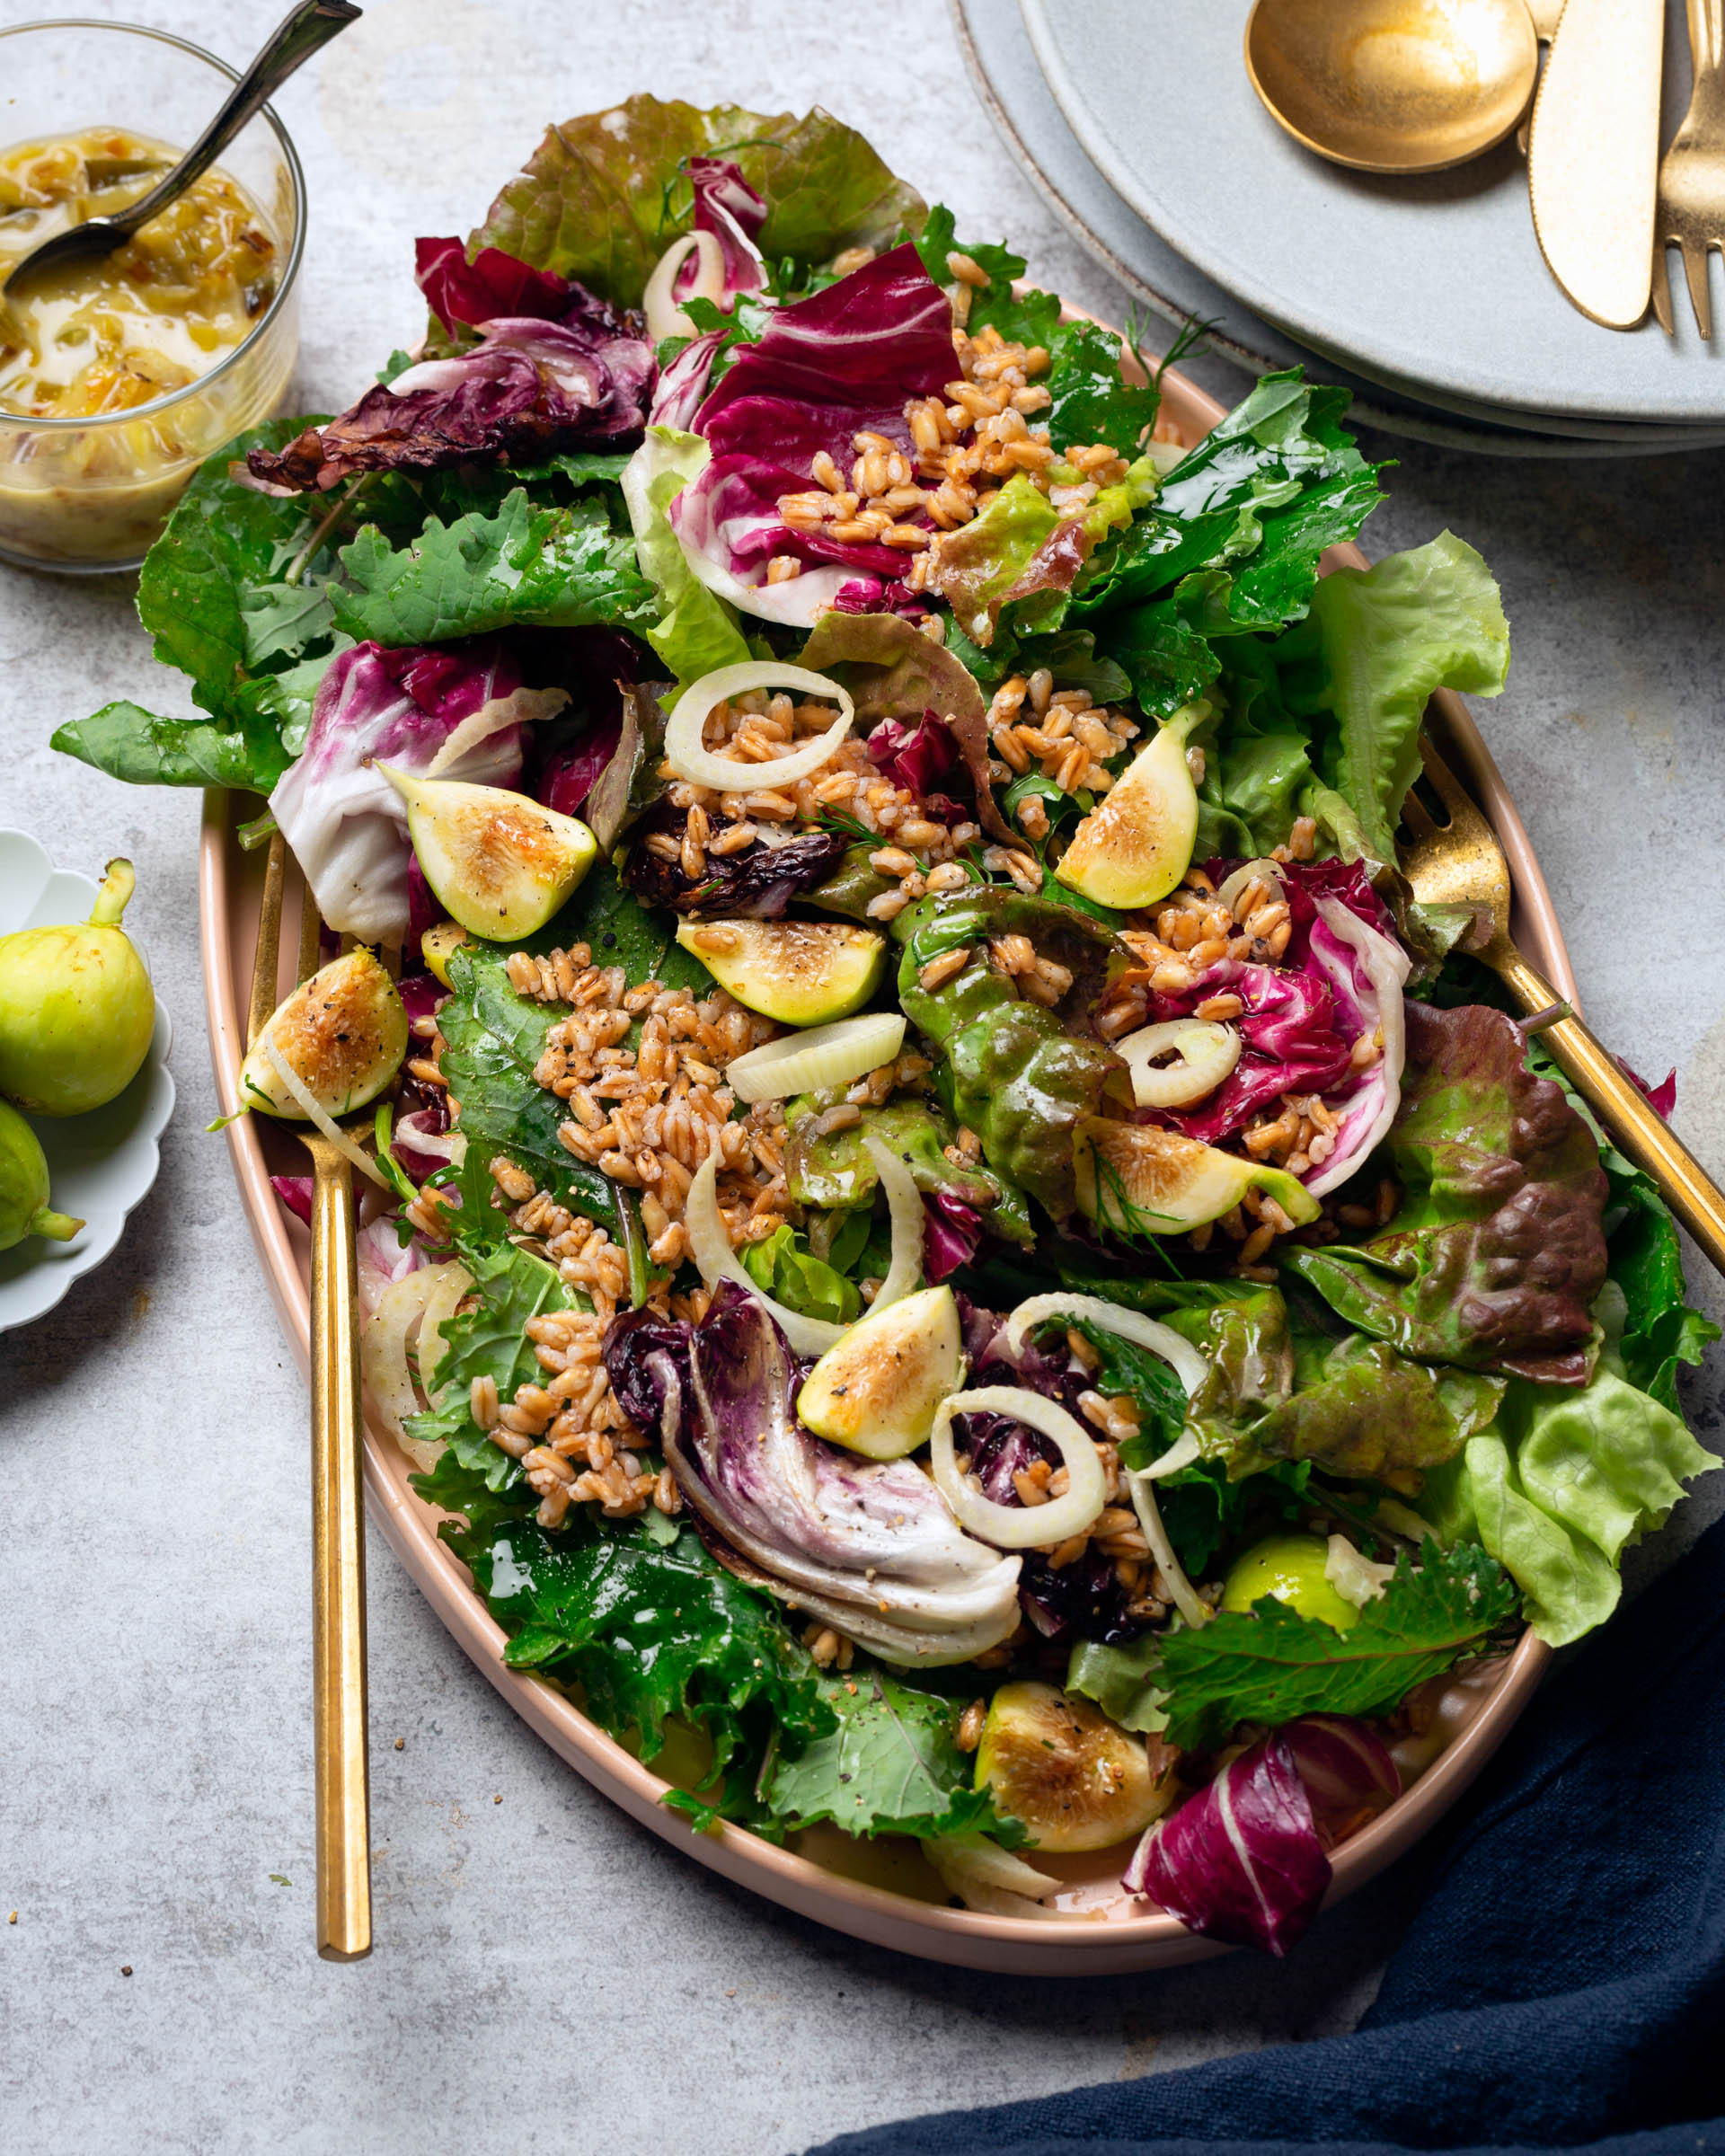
(1076, 1780)
(24, 1209)
(802, 972)
(1293, 1568)
(438, 944)
(499, 864)
(877, 1392)
(1137, 843)
(77, 1009)
(343, 1034)
(1140, 1180)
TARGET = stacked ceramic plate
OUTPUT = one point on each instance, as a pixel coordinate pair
(1428, 297)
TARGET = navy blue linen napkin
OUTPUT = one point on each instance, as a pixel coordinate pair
(1563, 1984)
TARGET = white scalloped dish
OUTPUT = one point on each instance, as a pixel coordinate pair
(100, 1164)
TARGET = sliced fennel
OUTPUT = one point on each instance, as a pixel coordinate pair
(817, 1057)
(658, 303)
(1180, 1356)
(1204, 1053)
(1187, 1599)
(1019, 1526)
(703, 766)
(314, 1111)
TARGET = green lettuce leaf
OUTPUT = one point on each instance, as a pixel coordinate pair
(603, 196)
(892, 1765)
(1123, 1681)
(521, 566)
(1016, 1073)
(694, 631)
(213, 596)
(781, 1268)
(1272, 1666)
(983, 563)
(1496, 1251)
(491, 1341)
(839, 1172)
(1389, 637)
(1558, 1489)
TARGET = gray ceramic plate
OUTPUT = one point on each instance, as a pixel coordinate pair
(1437, 282)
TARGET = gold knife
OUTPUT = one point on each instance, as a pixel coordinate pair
(1593, 155)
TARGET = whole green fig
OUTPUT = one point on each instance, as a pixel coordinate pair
(24, 1209)
(76, 1010)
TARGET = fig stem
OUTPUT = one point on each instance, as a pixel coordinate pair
(59, 1227)
(117, 884)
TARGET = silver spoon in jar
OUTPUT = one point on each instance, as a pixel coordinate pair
(307, 29)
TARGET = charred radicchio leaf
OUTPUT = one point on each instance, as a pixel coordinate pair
(1499, 1249)
(1244, 1860)
(868, 1545)
(756, 884)
(530, 386)
(345, 822)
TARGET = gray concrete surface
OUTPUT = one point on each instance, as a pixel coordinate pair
(547, 1975)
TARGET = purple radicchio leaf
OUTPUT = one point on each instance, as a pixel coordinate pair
(951, 1232)
(421, 994)
(492, 284)
(529, 386)
(866, 1545)
(345, 822)
(294, 1192)
(845, 360)
(728, 206)
(916, 757)
(647, 1360)
(1245, 1860)
(683, 383)
(1662, 1098)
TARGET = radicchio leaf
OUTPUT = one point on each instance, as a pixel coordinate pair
(848, 359)
(529, 386)
(951, 1232)
(346, 823)
(893, 671)
(756, 884)
(728, 206)
(868, 1545)
(1245, 1860)
(1498, 1251)
(492, 284)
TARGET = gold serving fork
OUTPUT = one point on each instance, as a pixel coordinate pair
(1461, 864)
(1691, 212)
(337, 1524)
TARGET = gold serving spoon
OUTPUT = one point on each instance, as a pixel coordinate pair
(1396, 86)
(1461, 864)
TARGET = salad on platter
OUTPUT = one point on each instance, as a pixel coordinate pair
(963, 1259)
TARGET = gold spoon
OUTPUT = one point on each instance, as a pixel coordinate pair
(1395, 86)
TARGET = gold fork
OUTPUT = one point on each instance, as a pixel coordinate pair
(1691, 212)
(1461, 864)
(338, 1530)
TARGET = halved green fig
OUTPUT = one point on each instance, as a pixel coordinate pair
(343, 1034)
(877, 1390)
(24, 1209)
(439, 943)
(1140, 1180)
(1293, 1569)
(500, 864)
(1076, 1780)
(802, 972)
(1136, 843)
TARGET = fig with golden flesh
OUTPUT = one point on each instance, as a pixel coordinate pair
(1076, 1780)
(499, 864)
(24, 1209)
(1140, 1180)
(877, 1392)
(343, 1034)
(802, 973)
(1136, 843)
(76, 1008)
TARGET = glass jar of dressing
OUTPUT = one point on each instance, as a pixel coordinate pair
(120, 375)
